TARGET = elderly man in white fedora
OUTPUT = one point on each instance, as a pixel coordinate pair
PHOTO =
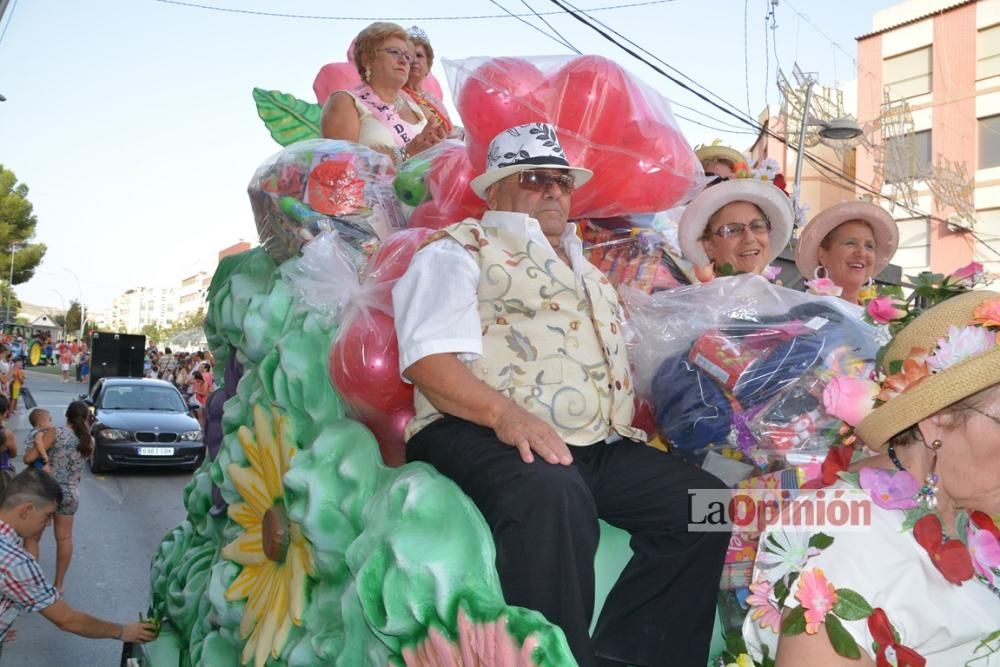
(736, 226)
(850, 243)
(524, 398)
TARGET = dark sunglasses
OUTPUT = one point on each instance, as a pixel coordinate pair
(538, 181)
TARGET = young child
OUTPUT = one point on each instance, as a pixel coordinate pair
(15, 387)
(41, 423)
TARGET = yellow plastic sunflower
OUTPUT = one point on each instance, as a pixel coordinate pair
(275, 556)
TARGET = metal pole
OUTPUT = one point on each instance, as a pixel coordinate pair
(10, 282)
(802, 135)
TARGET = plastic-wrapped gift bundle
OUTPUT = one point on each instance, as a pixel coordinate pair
(742, 362)
(324, 185)
(607, 120)
(433, 187)
(632, 256)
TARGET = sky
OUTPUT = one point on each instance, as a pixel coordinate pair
(133, 125)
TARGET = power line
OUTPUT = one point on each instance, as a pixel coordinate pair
(531, 25)
(231, 10)
(746, 53)
(10, 18)
(559, 34)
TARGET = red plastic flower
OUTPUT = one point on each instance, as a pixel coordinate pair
(836, 461)
(984, 522)
(952, 558)
(890, 653)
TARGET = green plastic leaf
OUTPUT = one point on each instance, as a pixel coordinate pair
(820, 541)
(794, 623)
(851, 606)
(287, 118)
(842, 641)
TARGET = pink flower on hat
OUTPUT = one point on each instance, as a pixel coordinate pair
(967, 275)
(885, 309)
(849, 399)
(961, 343)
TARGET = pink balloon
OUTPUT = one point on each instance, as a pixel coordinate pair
(334, 77)
(448, 181)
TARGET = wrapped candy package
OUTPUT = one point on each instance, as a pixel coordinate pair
(742, 362)
(324, 185)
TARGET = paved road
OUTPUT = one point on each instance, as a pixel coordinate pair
(121, 520)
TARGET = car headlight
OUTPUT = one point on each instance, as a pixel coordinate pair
(191, 436)
(114, 434)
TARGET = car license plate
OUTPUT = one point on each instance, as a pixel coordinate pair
(156, 451)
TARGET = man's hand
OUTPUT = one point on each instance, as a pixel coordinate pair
(519, 428)
(138, 633)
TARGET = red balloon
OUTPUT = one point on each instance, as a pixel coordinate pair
(594, 99)
(394, 255)
(499, 94)
(448, 181)
(650, 170)
(388, 431)
(430, 216)
(364, 367)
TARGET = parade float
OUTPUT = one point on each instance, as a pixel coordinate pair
(308, 540)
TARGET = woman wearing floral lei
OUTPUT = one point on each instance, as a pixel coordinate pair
(920, 585)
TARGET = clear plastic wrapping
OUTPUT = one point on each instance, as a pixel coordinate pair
(324, 185)
(364, 359)
(740, 361)
(606, 118)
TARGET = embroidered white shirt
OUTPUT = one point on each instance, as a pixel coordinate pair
(436, 302)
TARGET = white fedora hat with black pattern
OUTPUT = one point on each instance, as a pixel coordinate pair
(531, 146)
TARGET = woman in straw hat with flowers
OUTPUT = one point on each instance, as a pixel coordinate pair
(917, 582)
(844, 247)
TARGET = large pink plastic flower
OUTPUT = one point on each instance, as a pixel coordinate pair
(817, 596)
(893, 490)
(849, 399)
(884, 309)
(968, 274)
(961, 343)
(824, 287)
(984, 548)
(762, 609)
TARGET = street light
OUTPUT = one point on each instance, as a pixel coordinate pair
(83, 310)
(843, 129)
(14, 247)
(65, 312)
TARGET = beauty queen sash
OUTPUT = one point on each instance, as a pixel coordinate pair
(432, 104)
(384, 114)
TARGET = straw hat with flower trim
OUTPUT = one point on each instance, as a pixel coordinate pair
(937, 390)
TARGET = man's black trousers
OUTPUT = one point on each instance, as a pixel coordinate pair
(544, 519)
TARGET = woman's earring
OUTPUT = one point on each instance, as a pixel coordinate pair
(816, 273)
(368, 74)
(927, 495)
(870, 283)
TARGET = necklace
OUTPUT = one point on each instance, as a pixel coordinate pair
(895, 459)
(398, 105)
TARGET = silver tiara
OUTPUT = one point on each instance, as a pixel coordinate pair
(417, 33)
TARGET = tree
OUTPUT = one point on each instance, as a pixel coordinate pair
(17, 226)
(73, 319)
(154, 333)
